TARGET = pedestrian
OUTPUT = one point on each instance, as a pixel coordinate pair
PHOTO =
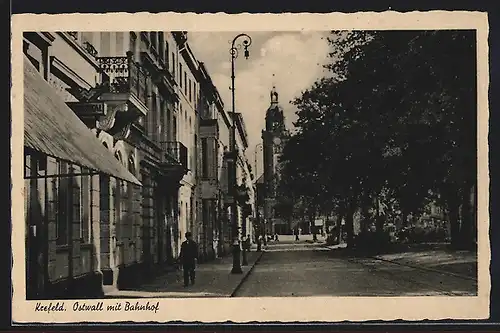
(297, 235)
(259, 243)
(248, 243)
(188, 257)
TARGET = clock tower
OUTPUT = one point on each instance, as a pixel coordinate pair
(273, 138)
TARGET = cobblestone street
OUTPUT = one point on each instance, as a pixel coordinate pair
(306, 269)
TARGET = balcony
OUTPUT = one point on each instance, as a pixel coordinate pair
(174, 159)
(160, 75)
(126, 80)
(124, 92)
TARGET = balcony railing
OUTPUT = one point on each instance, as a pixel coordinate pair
(125, 76)
(176, 152)
(90, 49)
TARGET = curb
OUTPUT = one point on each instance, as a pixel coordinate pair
(246, 274)
(428, 269)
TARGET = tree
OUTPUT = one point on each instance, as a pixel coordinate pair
(393, 116)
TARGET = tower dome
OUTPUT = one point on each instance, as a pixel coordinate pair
(274, 96)
(274, 115)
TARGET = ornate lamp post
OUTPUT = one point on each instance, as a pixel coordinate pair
(246, 42)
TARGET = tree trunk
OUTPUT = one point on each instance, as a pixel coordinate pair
(349, 224)
(451, 197)
(454, 220)
(341, 216)
(365, 217)
(466, 227)
(404, 218)
(379, 220)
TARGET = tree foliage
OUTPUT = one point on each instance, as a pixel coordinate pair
(397, 113)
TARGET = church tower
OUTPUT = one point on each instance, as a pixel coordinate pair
(273, 137)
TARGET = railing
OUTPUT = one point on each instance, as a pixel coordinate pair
(125, 76)
(90, 49)
(73, 34)
(86, 45)
(176, 151)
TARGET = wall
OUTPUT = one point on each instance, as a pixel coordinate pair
(74, 56)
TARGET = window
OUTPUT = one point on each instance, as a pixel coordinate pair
(133, 42)
(153, 120)
(161, 46)
(86, 203)
(205, 208)
(190, 97)
(168, 122)
(118, 190)
(153, 37)
(180, 75)
(162, 126)
(174, 131)
(131, 165)
(167, 53)
(64, 203)
(173, 64)
(185, 83)
(195, 94)
(195, 155)
(204, 158)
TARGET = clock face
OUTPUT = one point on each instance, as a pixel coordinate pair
(277, 141)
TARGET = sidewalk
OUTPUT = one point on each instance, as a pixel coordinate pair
(213, 279)
(431, 257)
(458, 263)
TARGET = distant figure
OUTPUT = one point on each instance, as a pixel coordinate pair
(248, 243)
(188, 256)
(276, 237)
(297, 235)
(259, 243)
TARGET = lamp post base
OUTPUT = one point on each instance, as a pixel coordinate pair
(244, 259)
(236, 260)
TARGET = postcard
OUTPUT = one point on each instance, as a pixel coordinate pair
(250, 168)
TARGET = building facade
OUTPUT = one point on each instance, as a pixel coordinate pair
(245, 197)
(273, 140)
(83, 195)
(125, 156)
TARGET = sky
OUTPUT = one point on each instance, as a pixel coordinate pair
(295, 58)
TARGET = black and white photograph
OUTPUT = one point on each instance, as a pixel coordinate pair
(297, 164)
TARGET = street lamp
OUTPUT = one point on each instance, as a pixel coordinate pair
(260, 223)
(246, 41)
(259, 145)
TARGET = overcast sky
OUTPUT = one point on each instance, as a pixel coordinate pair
(295, 59)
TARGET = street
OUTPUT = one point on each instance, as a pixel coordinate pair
(290, 268)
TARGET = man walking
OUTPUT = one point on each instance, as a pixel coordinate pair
(188, 256)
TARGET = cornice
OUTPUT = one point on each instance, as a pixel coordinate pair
(78, 48)
(69, 73)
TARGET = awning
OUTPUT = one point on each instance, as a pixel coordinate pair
(52, 128)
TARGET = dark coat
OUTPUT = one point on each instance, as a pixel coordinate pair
(189, 252)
